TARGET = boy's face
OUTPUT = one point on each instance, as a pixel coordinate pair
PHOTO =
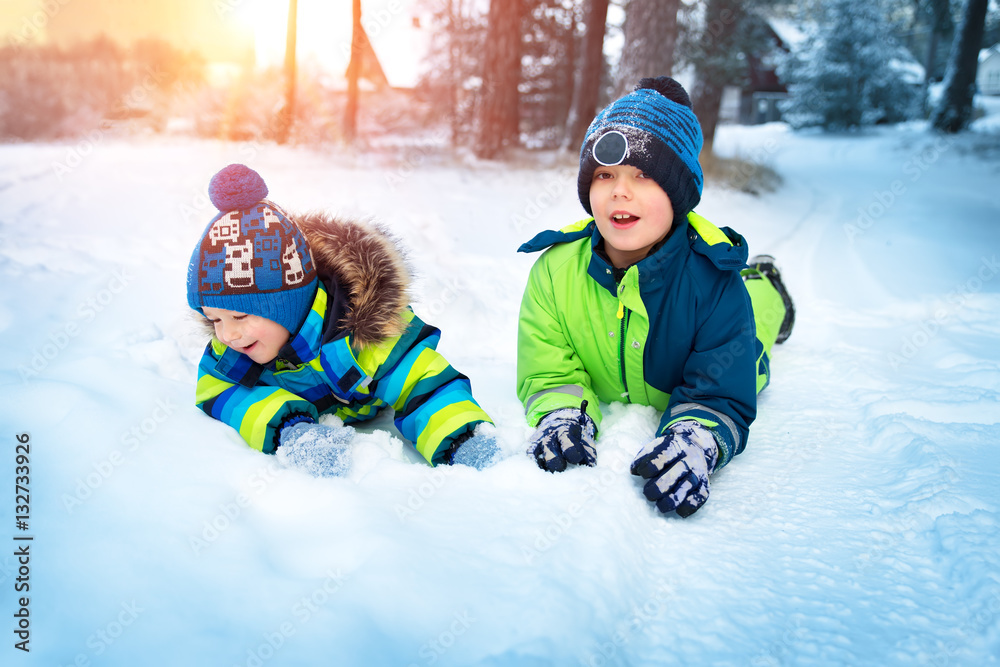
(257, 337)
(632, 211)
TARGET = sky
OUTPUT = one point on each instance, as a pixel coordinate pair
(230, 30)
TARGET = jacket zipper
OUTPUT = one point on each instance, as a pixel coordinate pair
(626, 313)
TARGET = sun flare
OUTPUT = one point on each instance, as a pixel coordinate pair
(324, 33)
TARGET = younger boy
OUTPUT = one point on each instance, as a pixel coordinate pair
(310, 317)
(645, 303)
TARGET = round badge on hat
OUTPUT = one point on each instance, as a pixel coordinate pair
(611, 148)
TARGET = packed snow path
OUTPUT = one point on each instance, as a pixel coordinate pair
(860, 527)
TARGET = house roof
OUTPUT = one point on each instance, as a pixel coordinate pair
(794, 34)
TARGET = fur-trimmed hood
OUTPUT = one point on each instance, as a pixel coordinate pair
(368, 263)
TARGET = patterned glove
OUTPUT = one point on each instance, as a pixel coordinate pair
(477, 449)
(318, 449)
(564, 436)
(677, 465)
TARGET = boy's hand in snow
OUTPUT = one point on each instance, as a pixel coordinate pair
(564, 436)
(677, 465)
(316, 448)
(477, 449)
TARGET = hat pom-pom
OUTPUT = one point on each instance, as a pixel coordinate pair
(236, 188)
(667, 87)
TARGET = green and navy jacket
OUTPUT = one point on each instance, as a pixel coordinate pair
(360, 349)
(676, 331)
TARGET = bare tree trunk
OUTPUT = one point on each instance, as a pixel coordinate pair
(941, 27)
(932, 47)
(722, 19)
(353, 73)
(706, 97)
(498, 109)
(454, 15)
(570, 71)
(650, 38)
(587, 88)
(287, 114)
(954, 111)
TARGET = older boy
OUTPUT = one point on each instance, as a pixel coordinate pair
(645, 303)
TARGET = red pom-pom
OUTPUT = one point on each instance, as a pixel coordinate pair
(236, 188)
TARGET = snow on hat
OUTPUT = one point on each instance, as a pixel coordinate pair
(251, 257)
(654, 129)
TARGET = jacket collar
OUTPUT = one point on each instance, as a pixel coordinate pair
(651, 269)
(722, 246)
(307, 341)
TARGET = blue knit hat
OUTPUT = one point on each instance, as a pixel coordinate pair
(251, 257)
(654, 129)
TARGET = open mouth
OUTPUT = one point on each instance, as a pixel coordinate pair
(249, 348)
(623, 219)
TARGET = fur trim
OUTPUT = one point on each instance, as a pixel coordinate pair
(203, 325)
(367, 261)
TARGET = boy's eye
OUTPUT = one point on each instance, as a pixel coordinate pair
(600, 176)
(240, 317)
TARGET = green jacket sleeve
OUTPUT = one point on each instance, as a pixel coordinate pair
(550, 374)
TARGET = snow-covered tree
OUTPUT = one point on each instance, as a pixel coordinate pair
(850, 72)
(551, 37)
(717, 39)
(452, 67)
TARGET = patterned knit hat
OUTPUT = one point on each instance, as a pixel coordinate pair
(251, 257)
(654, 129)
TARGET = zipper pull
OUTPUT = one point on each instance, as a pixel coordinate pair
(621, 310)
(583, 413)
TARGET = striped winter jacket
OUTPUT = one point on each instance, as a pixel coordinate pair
(360, 349)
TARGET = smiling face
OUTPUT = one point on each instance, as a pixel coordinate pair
(632, 211)
(257, 337)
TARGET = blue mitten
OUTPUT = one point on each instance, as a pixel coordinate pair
(478, 449)
(316, 448)
(677, 465)
(562, 437)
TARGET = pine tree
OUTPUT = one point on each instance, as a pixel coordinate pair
(844, 75)
(549, 42)
(454, 59)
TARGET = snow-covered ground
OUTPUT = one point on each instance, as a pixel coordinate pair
(860, 527)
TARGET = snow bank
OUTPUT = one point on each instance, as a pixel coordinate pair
(859, 527)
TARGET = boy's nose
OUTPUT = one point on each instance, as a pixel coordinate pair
(228, 332)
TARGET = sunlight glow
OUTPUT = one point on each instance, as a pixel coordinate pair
(324, 34)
